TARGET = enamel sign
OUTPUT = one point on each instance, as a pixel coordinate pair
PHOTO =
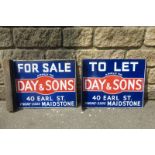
(113, 83)
(45, 84)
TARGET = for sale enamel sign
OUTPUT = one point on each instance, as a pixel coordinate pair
(45, 84)
(113, 83)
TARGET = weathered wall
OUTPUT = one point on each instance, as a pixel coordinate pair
(79, 42)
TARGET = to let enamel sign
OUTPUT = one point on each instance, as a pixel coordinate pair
(45, 84)
(113, 83)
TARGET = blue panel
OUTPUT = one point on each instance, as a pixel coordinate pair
(113, 82)
(45, 84)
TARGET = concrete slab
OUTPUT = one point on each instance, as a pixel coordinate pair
(76, 118)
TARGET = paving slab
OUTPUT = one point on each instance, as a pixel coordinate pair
(77, 118)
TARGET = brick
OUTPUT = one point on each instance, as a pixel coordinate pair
(119, 54)
(99, 54)
(149, 55)
(1, 76)
(93, 54)
(60, 54)
(5, 38)
(147, 75)
(150, 92)
(22, 54)
(151, 77)
(150, 37)
(37, 37)
(2, 92)
(111, 37)
(77, 37)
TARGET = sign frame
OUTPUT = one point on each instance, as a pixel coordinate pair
(11, 79)
(121, 107)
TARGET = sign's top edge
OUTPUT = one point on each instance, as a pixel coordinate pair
(113, 59)
(14, 60)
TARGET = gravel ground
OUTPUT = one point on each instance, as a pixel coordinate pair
(76, 118)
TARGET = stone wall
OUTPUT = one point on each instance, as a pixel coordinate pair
(78, 43)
